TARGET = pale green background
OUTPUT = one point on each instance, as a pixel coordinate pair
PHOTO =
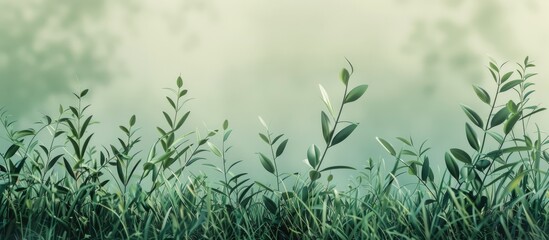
(241, 59)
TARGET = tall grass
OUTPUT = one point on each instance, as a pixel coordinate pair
(55, 185)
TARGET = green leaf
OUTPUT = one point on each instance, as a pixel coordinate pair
(337, 167)
(515, 182)
(11, 151)
(482, 94)
(494, 67)
(473, 116)
(85, 126)
(172, 103)
(69, 168)
(83, 93)
(179, 82)
(510, 123)
(387, 146)
(132, 120)
(270, 205)
(326, 100)
(168, 119)
(214, 149)
(314, 175)
(53, 161)
(343, 134)
(265, 139)
(472, 137)
(182, 120)
(425, 169)
(120, 171)
(510, 85)
(325, 122)
(313, 155)
(267, 163)
(345, 76)
(461, 155)
(355, 93)
(452, 166)
(506, 76)
(225, 124)
(499, 117)
(482, 164)
(281, 148)
(23, 133)
(513, 108)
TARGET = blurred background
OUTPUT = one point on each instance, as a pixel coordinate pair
(243, 59)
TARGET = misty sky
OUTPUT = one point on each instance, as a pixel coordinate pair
(241, 59)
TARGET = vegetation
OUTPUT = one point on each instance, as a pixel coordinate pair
(55, 185)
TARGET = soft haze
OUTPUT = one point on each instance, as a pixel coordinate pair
(243, 59)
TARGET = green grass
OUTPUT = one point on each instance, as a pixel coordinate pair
(55, 185)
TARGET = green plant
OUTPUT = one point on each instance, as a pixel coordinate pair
(54, 184)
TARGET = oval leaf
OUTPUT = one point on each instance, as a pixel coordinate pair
(11, 151)
(355, 93)
(499, 117)
(461, 155)
(325, 122)
(472, 137)
(345, 76)
(510, 85)
(281, 148)
(313, 155)
(343, 134)
(452, 166)
(482, 94)
(267, 163)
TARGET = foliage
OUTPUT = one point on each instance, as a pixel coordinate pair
(55, 184)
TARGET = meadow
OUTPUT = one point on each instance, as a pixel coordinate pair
(55, 185)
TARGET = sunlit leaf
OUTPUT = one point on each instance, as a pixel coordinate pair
(326, 100)
(515, 182)
(214, 149)
(387, 146)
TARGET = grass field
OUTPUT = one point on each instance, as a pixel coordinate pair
(55, 185)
